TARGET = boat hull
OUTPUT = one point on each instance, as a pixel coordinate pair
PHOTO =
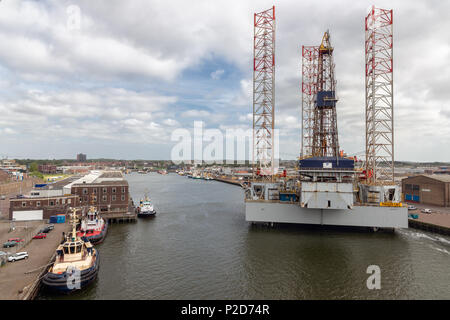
(97, 238)
(64, 283)
(146, 214)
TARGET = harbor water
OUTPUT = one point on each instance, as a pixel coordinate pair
(199, 246)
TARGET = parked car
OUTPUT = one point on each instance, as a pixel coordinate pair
(3, 197)
(9, 244)
(18, 256)
(15, 240)
(412, 208)
(40, 236)
(51, 226)
(426, 210)
(45, 230)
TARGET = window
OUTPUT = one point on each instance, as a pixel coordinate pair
(52, 203)
(104, 190)
(69, 201)
(94, 198)
(123, 198)
(38, 204)
(123, 189)
(113, 190)
(57, 201)
(113, 197)
(85, 191)
(24, 204)
(94, 191)
(63, 201)
(105, 198)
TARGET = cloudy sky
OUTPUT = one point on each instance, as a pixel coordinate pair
(134, 71)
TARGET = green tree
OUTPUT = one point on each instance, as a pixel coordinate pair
(34, 167)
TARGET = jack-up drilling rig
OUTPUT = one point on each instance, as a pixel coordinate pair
(329, 192)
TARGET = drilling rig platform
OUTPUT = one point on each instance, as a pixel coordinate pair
(330, 188)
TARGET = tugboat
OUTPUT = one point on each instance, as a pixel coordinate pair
(76, 264)
(93, 227)
(145, 208)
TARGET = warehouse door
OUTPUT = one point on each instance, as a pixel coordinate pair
(28, 215)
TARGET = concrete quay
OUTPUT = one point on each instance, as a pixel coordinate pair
(229, 181)
(437, 221)
(20, 280)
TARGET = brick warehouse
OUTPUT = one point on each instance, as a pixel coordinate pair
(109, 192)
(106, 190)
(47, 168)
(427, 189)
(49, 205)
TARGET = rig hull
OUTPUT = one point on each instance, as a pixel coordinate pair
(358, 216)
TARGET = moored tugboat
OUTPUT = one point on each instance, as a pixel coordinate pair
(93, 227)
(76, 264)
(145, 208)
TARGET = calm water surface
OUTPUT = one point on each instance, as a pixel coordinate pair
(200, 247)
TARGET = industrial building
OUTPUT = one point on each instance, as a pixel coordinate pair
(427, 189)
(108, 191)
(39, 208)
(47, 168)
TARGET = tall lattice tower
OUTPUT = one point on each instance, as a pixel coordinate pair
(325, 141)
(310, 59)
(379, 97)
(264, 91)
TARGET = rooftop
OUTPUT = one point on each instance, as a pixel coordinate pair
(109, 176)
(58, 184)
(100, 177)
(439, 177)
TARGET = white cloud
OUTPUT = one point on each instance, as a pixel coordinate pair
(103, 114)
(123, 66)
(217, 74)
(8, 131)
(246, 118)
(171, 122)
(195, 114)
